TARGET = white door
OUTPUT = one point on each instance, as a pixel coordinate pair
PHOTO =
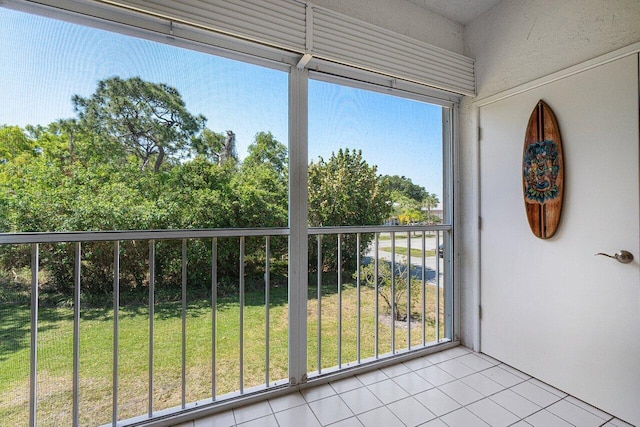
(551, 308)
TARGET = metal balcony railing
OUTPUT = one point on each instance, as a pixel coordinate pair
(414, 286)
(348, 323)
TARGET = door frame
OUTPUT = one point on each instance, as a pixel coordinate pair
(562, 280)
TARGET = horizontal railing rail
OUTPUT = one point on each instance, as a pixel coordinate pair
(378, 229)
(110, 236)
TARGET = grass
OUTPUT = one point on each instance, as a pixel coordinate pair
(55, 349)
(415, 253)
(400, 235)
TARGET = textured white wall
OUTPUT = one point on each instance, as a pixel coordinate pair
(520, 40)
(403, 17)
(514, 43)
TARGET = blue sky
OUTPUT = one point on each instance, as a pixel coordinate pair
(43, 62)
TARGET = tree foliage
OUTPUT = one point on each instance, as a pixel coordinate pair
(404, 186)
(216, 147)
(266, 150)
(149, 119)
(57, 180)
(410, 202)
(134, 158)
(345, 190)
(14, 144)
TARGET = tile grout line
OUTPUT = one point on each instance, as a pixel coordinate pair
(455, 378)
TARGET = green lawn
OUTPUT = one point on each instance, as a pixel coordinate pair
(415, 253)
(400, 235)
(55, 344)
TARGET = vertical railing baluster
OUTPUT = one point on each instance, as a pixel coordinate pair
(319, 291)
(393, 292)
(424, 286)
(437, 304)
(358, 297)
(241, 315)
(116, 329)
(214, 308)
(184, 324)
(408, 289)
(152, 297)
(377, 297)
(339, 265)
(267, 281)
(33, 369)
(76, 336)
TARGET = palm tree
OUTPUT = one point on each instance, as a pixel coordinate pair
(430, 201)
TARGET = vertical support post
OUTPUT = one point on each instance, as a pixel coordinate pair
(267, 283)
(447, 287)
(33, 369)
(424, 286)
(298, 236)
(319, 296)
(116, 329)
(358, 261)
(408, 290)
(393, 292)
(184, 325)
(339, 300)
(241, 343)
(214, 308)
(449, 140)
(437, 303)
(76, 335)
(377, 297)
(152, 286)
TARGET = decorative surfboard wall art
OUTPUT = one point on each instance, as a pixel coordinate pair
(543, 172)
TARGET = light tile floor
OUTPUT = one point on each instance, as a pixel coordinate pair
(454, 388)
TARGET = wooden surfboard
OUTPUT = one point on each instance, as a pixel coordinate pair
(543, 172)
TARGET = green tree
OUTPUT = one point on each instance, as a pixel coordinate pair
(430, 201)
(58, 189)
(409, 200)
(267, 150)
(200, 194)
(214, 146)
(13, 143)
(345, 190)
(94, 173)
(149, 119)
(404, 186)
(262, 192)
(263, 183)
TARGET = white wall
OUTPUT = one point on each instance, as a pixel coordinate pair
(403, 17)
(516, 42)
(520, 40)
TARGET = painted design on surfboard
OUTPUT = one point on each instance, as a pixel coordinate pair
(543, 172)
(540, 171)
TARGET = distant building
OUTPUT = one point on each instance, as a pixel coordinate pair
(392, 221)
